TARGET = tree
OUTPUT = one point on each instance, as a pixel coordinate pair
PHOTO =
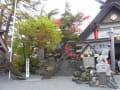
(68, 26)
(52, 12)
(6, 21)
(7, 10)
(49, 14)
(36, 33)
(71, 24)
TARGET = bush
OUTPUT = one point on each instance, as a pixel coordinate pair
(77, 74)
(33, 65)
(49, 68)
(84, 76)
(20, 65)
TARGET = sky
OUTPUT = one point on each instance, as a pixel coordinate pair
(88, 7)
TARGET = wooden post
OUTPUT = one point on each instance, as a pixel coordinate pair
(27, 68)
(112, 49)
(96, 34)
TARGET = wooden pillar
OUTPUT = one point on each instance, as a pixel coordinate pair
(96, 34)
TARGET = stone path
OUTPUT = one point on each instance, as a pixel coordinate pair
(35, 83)
(117, 79)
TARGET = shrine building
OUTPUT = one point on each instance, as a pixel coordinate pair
(104, 32)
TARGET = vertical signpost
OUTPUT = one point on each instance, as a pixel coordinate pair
(27, 68)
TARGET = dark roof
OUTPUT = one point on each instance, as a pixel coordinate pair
(90, 41)
(106, 8)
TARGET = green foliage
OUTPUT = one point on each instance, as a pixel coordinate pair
(67, 23)
(40, 33)
(52, 12)
(76, 38)
(49, 68)
(70, 18)
(70, 36)
(84, 76)
(68, 27)
(76, 73)
(22, 47)
(34, 33)
(20, 64)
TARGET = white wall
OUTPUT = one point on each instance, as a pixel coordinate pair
(103, 33)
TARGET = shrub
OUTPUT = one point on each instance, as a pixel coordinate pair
(76, 74)
(84, 76)
(49, 68)
(21, 66)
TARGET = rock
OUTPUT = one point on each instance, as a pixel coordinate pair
(41, 54)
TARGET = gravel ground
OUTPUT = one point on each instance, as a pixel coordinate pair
(35, 83)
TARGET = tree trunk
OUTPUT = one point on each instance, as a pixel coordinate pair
(2, 14)
(5, 61)
(8, 26)
(9, 21)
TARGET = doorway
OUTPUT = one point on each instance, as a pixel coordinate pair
(117, 51)
(117, 56)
